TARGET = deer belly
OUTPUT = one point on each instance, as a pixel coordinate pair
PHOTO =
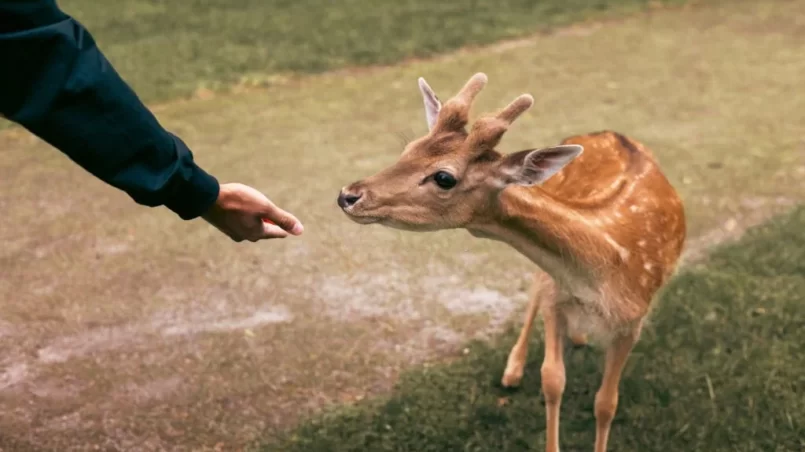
(586, 319)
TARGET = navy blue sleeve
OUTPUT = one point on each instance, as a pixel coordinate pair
(57, 83)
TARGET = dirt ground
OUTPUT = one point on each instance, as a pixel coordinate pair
(123, 328)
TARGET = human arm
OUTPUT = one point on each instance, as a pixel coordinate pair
(58, 84)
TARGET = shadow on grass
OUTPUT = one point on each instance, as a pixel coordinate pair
(719, 368)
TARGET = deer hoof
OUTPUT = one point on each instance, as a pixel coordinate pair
(512, 376)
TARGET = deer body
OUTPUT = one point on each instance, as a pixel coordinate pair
(605, 226)
(608, 228)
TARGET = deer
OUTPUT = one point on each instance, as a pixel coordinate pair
(595, 214)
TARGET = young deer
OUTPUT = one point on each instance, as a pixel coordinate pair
(606, 225)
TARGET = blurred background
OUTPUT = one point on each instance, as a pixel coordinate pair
(125, 329)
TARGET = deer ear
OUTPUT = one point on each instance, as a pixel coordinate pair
(432, 104)
(533, 167)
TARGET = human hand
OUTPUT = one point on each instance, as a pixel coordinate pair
(243, 213)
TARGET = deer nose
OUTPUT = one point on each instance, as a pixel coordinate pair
(348, 199)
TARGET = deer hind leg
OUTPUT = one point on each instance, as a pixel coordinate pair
(517, 357)
(606, 399)
(553, 374)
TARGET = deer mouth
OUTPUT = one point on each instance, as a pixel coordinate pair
(361, 219)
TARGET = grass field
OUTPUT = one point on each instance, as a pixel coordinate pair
(127, 329)
(171, 49)
(720, 369)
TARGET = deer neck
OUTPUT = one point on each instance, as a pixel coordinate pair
(556, 237)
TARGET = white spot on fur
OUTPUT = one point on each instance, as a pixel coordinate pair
(634, 208)
(648, 266)
(641, 243)
(499, 183)
(624, 253)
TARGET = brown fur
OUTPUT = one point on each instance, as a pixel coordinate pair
(614, 200)
(608, 228)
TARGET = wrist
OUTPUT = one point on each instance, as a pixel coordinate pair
(196, 191)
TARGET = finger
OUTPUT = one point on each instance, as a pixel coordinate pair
(271, 231)
(286, 221)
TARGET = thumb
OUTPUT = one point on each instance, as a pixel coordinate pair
(285, 220)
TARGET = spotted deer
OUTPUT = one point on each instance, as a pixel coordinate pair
(594, 213)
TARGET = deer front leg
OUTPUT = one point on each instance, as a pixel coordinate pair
(553, 375)
(517, 357)
(606, 400)
(513, 374)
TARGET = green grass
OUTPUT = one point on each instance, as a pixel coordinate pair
(168, 49)
(735, 324)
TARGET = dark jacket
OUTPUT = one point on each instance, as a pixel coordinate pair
(55, 82)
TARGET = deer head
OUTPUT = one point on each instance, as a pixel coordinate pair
(451, 177)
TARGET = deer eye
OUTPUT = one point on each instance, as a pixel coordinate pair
(444, 180)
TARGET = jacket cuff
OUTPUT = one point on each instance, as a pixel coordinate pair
(195, 191)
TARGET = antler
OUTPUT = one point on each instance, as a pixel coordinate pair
(454, 114)
(487, 132)
(470, 90)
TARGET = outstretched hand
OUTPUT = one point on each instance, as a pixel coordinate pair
(243, 213)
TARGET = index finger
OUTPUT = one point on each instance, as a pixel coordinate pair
(275, 216)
